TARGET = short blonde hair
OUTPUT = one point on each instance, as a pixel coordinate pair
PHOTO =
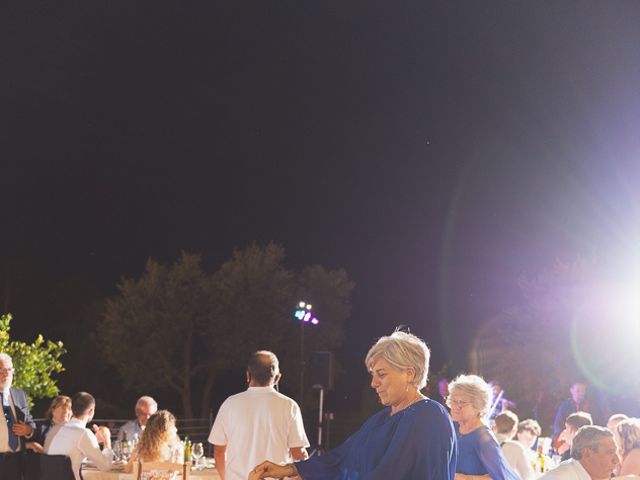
(475, 388)
(402, 350)
(59, 401)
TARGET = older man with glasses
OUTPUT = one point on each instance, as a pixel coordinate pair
(16, 423)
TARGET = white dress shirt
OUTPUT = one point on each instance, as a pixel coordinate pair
(568, 470)
(76, 441)
(517, 456)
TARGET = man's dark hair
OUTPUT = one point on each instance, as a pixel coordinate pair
(578, 419)
(263, 367)
(81, 403)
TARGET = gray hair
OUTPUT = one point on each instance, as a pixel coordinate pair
(402, 350)
(530, 425)
(6, 357)
(263, 366)
(629, 432)
(589, 437)
(146, 399)
(475, 388)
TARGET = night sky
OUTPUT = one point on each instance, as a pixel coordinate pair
(435, 150)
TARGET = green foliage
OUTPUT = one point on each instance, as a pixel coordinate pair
(34, 364)
(180, 327)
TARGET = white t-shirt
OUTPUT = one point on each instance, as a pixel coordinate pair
(257, 425)
(74, 440)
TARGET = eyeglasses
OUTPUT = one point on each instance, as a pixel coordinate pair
(458, 403)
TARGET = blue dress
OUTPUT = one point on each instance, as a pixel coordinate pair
(417, 443)
(480, 454)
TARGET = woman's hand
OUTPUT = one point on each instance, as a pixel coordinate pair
(272, 470)
(35, 446)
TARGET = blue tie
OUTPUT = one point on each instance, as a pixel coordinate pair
(11, 420)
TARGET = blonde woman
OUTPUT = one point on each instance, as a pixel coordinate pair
(629, 434)
(58, 413)
(158, 440)
(412, 437)
(479, 453)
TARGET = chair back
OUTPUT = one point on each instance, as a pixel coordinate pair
(184, 468)
(40, 466)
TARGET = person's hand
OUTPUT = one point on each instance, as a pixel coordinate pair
(35, 446)
(272, 470)
(22, 429)
(103, 434)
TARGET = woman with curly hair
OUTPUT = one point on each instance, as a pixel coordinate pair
(158, 440)
(629, 434)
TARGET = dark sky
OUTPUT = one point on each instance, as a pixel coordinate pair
(435, 150)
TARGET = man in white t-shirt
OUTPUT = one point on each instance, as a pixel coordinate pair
(76, 441)
(258, 424)
(594, 456)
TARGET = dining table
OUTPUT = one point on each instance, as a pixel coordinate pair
(92, 473)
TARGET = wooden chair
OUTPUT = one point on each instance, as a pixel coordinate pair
(184, 468)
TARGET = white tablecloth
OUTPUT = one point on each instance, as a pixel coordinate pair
(93, 474)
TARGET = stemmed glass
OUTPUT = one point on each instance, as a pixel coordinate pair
(117, 450)
(197, 453)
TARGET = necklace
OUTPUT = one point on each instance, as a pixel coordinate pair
(418, 397)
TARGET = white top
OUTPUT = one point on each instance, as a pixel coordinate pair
(517, 456)
(74, 440)
(568, 470)
(257, 425)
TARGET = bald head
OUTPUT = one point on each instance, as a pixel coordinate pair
(263, 369)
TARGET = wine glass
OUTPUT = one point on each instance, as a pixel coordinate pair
(117, 451)
(197, 453)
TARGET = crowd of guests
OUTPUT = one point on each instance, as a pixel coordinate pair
(259, 433)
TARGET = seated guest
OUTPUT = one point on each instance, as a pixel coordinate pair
(593, 456)
(132, 430)
(478, 451)
(59, 412)
(158, 441)
(505, 428)
(16, 424)
(76, 441)
(571, 426)
(411, 438)
(528, 432)
(612, 424)
(629, 434)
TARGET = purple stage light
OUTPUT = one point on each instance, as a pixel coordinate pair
(307, 317)
(314, 321)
